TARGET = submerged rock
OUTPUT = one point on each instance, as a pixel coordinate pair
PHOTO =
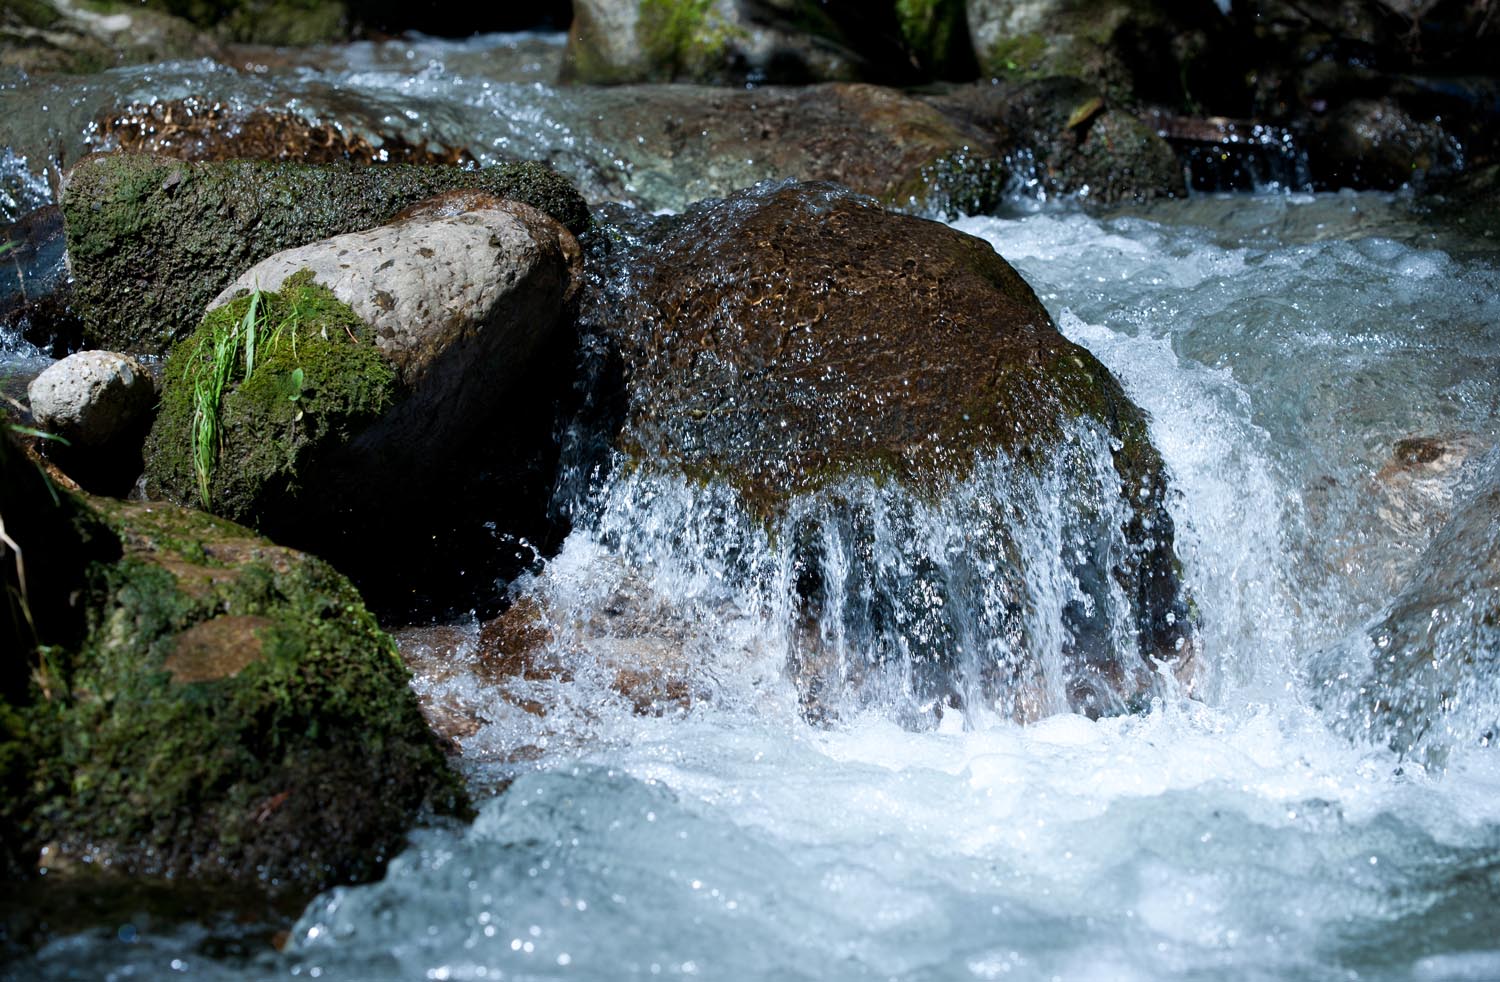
(152, 240)
(792, 339)
(1421, 677)
(216, 707)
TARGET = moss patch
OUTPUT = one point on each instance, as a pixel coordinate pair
(683, 38)
(153, 240)
(318, 380)
(300, 767)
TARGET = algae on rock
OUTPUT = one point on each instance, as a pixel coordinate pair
(152, 240)
(317, 381)
(228, 711)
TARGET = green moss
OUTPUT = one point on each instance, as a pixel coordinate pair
(936, 32)
(683, 38)
(153, 240)
(1020, 56)
(304, 760)
(318, 380)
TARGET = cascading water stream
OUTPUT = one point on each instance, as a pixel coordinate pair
(1318, 371)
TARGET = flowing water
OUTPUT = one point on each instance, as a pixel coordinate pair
(1321, 803)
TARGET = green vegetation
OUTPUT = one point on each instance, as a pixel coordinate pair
(683, 38)
(267, 383)
(230, 711)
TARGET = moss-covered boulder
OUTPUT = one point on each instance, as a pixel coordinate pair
(1175, 53)
(238, 443)
(225, 711)
(56, 35)
(798, 344)
(326, 368)
(738, 41)
(152, 240)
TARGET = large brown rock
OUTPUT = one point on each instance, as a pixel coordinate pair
(795, 338)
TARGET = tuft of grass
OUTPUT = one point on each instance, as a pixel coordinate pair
(216, 365)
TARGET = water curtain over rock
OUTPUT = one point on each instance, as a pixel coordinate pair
(938, 497)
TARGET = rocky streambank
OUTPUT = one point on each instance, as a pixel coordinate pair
(406, 351)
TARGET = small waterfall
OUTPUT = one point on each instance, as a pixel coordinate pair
(999, 597)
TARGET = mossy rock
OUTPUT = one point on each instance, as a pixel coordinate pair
(1180, 54)
(152, 240)
(231, 713)
(283, 22)
(41, 35)
(732, 42)
(318, 381)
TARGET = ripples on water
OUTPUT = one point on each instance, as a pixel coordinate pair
(1320, 377)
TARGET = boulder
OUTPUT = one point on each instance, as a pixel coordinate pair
(71, 36)
(101, 404)
(847, 371)
(1169, 53)
(92, 398)
(152, 240)
(377, 352)
(732, 42)
(215, 708)
(1074, 139)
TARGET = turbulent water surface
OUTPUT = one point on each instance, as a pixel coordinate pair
(1321, 803)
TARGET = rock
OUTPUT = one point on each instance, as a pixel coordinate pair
(152, 240)
(683, 143)
(798, 343)
(217, 709)
(71, 36)
(35, 293)
(1168, 53)
(283, 22)
(1077, 141)
(101, 403)
(732, 42)
(92, 398)
(1368, 143)
(396, 346)
(195, 129)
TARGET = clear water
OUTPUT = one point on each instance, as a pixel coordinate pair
(1288, 350)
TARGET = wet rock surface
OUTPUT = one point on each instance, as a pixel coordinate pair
(792, 338)
(194, 129)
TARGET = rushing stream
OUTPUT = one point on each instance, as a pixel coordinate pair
(1320, 376)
